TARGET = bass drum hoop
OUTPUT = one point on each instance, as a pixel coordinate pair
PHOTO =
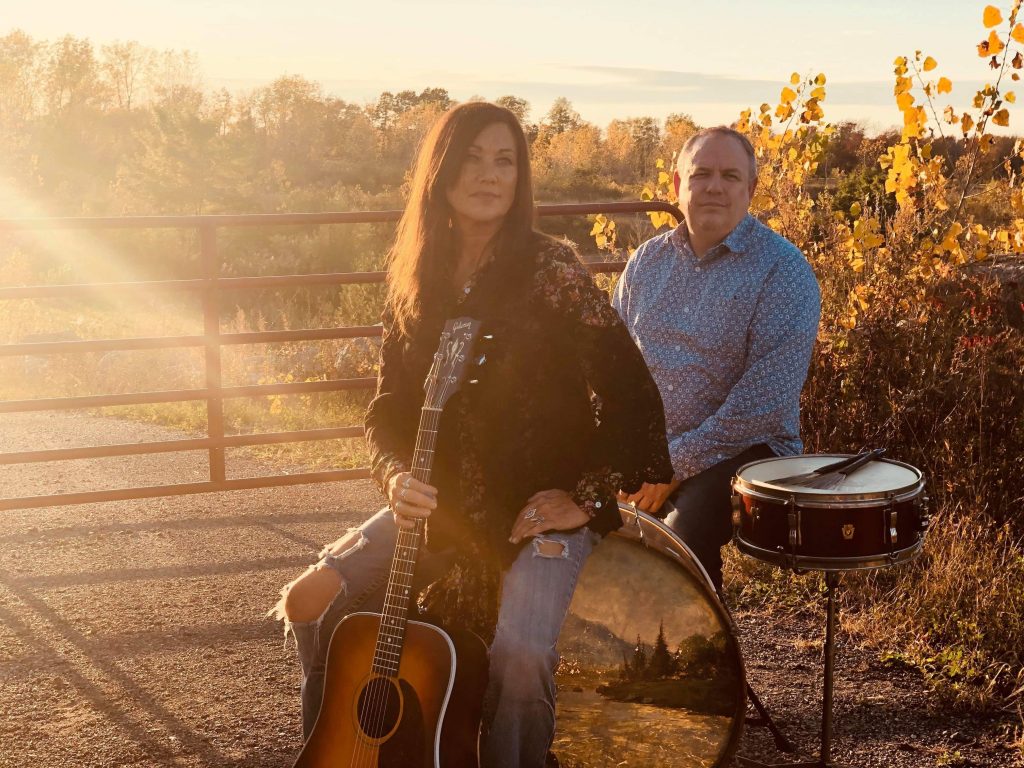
(640, 527)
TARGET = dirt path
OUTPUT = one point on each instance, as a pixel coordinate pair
(133, 633)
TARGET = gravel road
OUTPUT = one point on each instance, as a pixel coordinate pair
(134, 633)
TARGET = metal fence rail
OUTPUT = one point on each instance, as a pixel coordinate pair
(210, 287)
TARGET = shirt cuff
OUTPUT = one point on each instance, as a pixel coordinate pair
(595, 494)
(384, 470)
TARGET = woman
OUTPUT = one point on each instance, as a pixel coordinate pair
(522, 459)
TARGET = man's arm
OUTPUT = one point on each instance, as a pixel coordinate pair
(781, 338)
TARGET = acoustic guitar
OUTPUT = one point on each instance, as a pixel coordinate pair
(401, 693)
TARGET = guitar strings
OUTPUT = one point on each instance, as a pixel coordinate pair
(403, 569)
(402, 577)
(375, 706)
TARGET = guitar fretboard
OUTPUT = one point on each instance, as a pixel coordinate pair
(388, 652)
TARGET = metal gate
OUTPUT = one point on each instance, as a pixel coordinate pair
(210, 288)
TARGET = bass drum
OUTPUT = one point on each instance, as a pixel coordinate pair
(650, 672)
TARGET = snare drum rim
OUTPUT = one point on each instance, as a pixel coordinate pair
(639, 526)
(759, 490)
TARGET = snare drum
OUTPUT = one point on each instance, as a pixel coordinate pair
(650, 670)
(876, 517)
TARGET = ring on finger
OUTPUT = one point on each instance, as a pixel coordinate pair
(402, 494)
(538, 520)
(530, 514)
(407, 482)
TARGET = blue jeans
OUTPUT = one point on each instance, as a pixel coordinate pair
(700, 510)
(519, 705)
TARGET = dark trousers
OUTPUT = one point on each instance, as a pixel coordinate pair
(703, 510)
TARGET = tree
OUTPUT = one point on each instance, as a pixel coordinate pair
(123, 66)
(662, 664)
(630, 147)
(638, 665)
(19, 65)
(561, 117)
(517, 106)
(72, 74)
(678, 128)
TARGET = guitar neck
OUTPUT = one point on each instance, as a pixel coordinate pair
(390, 638)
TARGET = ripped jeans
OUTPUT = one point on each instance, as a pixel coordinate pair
(519, 705)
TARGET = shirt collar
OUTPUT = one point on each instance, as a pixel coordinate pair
(737, 241)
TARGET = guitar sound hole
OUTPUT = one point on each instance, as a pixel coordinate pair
(379, 707)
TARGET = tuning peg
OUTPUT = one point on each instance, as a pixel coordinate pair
(473, 381)
(481, 360)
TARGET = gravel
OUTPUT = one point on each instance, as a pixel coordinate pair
(135, 633)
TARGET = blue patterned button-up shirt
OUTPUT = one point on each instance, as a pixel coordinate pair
(728, 338)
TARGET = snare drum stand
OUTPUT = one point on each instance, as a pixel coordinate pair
(825, 759)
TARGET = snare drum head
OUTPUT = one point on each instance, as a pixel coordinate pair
(879, 477)
(650, 670)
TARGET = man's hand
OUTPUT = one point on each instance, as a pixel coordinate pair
(651, 496)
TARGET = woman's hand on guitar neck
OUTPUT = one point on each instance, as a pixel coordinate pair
(409, 498)
(552, 510)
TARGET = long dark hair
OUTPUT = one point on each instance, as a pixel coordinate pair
(421, 262)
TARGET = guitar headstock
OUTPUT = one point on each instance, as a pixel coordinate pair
(451, 361)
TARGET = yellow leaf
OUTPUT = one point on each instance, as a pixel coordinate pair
(818, 93)
(945, 85)
(664, 178)
(787, 95)
(855, 210)
(820, 79)
(794, 79)
(596, 230)
(646, 194)
(930, 64)
(905, 100)
(1010, 97)
(966, 123)
(660, 163)
(992, 16)
(1018, 33)
(995, 44)
(1002, 117)
(601, 241)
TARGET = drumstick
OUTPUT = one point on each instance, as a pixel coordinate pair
(831, 471)
(836, 477)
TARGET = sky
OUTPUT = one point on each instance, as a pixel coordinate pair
(619, 59)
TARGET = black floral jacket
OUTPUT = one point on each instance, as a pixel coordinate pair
(531, 423)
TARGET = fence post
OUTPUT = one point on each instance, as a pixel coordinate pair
(211, 330)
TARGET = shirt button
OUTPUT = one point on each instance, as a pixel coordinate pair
(696, 269)
(597, 504)
(678, 348)
(670, 388)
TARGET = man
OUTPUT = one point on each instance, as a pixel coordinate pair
(725, 312)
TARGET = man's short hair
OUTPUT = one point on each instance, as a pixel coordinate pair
(721, 130)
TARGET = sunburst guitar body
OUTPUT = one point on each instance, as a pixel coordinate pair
(426, 715)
